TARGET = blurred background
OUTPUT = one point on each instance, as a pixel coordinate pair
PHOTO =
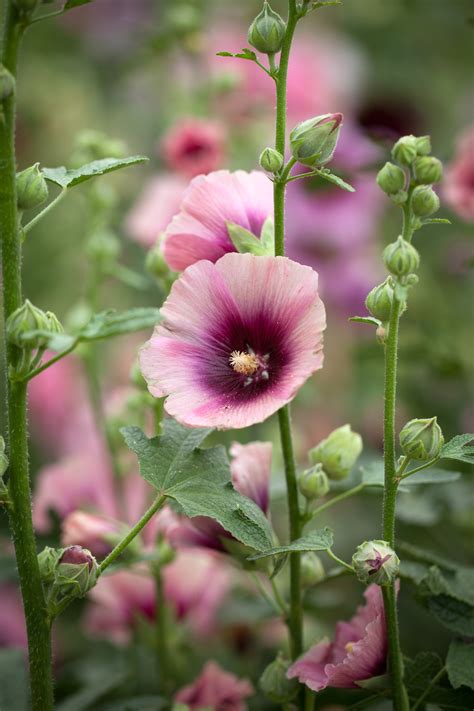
(142, 76)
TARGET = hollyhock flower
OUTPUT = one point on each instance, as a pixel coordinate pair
(250, 469)
(154, 209)
(358, 651)
(237, 340)
(459, 178)
(216, 689)
(96, 533)
(199, 230)
(12, 619)
(194, 146)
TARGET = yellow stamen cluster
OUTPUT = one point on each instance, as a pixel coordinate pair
(244, 363)
(349, 647)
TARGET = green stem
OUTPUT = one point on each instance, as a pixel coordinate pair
(45, 211)
(38, 628)
(336, 499)
(419, 469)
(341, 562)
(52, 361)
(265, 595)
(133, 533)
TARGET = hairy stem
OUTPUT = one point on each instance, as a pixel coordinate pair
(37, 625)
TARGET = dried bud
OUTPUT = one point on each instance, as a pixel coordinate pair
(103, 248)
(391, 178)
(375, 562)
(271, 160)
(314, 141)
(267, 31)
(401, 257)
(313, 483)
(31, 188)
(76, 572)
(338, 453)
(274, 683)
(422, 439)
(427, 170)
(25, 319)
(424, 201)
(7, 83)
(379, 301)
(423, 145)
(404, 150)
(312, 569)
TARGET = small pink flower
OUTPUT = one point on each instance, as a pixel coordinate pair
(237, 340)
(358, 652)
(459, 178)
(199, 231)
(194, 146)
(154, 209)
(216, 689)
(96, 533)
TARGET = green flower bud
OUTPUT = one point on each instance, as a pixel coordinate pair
(47, 561)
(136, 377)
(391, 178)
(314, 141)
(375, 562)
(427, 170)
(424, 201)
(274, 683)
(75, 573)
(379, 301)
(404, 150)
(267, 31)
(103, 248)
(155, 262)
(422, 439)
(165, 554)
(313, 483)
(338, 453)
(54, 325)
(7, 83)
(312, 569)
(271, 160)
(31, 188)
(27, 318)
(401, 257)
(399, 198)
(423, 145)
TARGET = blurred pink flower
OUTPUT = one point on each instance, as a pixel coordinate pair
(199, 230)
(458, 183)
(194, 146)
(237, 340)
(12, 621)
(96, 533)
(154, 209)
(216, 689)
(358, 652)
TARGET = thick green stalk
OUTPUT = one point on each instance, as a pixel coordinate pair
(38, 628)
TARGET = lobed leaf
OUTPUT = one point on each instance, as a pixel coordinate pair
(66, 178)
(319, 540)
(326, 174)
(366, 319)
(460, 664)
(459, 448)
(115, 323)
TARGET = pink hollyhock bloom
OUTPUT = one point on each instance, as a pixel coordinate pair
(194, 146)
(358, 652)
(250, 471)
(459, 178)
(199, 230)
(155, 208)
(12, 620)
(96, 533)
(237, 340)
(216, 689)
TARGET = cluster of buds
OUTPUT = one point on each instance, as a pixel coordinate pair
(375, 562)
(267, 31)
(29, 328)
(66, 573)
(275, 684)
(422, 439)
(31, 188)
(4, 497)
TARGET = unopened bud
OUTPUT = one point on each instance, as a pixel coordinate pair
(54, 324)
(271, 160)
(103, 248)
(7, 83)
(381, 334)
(375, 562)
(399, 198)
(136, 377)
(404, 150)
(423, 145)
(97, 534)
(267, 31)
(391, 178)
(312, 569)
(401, 257)
(427, 170)
(313, 483)
(76, 572)
(314, 141)
(26, 319)
(274, 683)
(338, 453)
(379, 301)
(47, 561)
(31, 188)
(155, 262)
(422, 439)
(165, 554)
(424, 201)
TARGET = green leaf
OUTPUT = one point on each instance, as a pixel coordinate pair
(319, 540)
(13, 680)
(198, 480)
(87, 698)
(69, 178)
(459, 448)
(267, 236)
(437, 221)
(244, 241)
(450, 598)
(326, 174)
(53, 341)
(136, 703)
(460, 664)
(71, 4)
(246, 53)
(116, 323)
(366, 319)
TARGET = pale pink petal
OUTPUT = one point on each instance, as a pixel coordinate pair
(310, 668)
(250, 469)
